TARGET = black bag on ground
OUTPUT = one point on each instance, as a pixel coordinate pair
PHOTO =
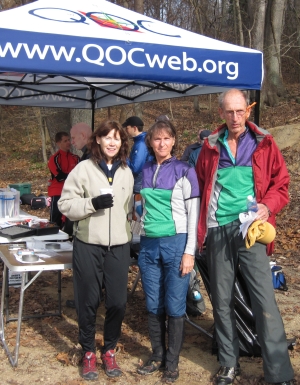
(39, 202)
(26, 199)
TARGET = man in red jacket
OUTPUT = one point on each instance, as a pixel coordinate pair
(60, 164)
(240, 159)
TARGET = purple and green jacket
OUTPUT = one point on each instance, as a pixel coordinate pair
(171, 200)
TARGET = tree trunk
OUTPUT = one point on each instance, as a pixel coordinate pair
(139, 6)
(297, 10)
(197, 13)
(273, 86)
(196, 104)
(43, 134)
(59, 120)
(79, 115)
(260, 7)
(239, 22)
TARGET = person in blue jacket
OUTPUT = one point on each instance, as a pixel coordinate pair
(139, 153)
(171, 200)
(195, 153)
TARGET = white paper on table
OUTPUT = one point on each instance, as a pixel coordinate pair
(4, 225)
(19, 258)
(246, 219)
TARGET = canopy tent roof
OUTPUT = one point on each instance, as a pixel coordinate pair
(93, 54)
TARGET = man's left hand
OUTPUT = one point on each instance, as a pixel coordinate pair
(262, 213)
(187, 264)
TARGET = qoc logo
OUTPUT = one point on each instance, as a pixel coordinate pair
(101, 18)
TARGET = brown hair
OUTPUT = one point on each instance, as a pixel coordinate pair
(103, 129)
(59, 135)
(161, 125)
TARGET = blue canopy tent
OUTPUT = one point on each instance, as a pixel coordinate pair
(93, 54)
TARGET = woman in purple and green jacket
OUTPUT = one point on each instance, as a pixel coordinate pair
(171, 201)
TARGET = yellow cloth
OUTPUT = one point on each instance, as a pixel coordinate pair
(260, 232)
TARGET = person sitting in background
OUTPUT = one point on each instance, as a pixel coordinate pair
(60, 164)
(168, 242)
(194, 154)
(101, 251)
(190, 148)
(80, 135)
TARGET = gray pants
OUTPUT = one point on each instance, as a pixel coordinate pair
(225, 251)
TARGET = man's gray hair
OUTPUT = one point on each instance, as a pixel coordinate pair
(223, 94)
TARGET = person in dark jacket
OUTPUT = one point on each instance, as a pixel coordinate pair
(139, 153)
(191, 147)
(195, 153)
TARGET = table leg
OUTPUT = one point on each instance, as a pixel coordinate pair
(13, 356)
(134, 285)
(2, 304)
(59, 292)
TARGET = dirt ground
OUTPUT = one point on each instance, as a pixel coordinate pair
(50, 354)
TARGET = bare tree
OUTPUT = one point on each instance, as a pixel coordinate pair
(139, 6)
(258, 31)
(297, 11)
(273, 86)
(239, 22)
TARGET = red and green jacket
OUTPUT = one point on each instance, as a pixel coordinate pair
(270, 176)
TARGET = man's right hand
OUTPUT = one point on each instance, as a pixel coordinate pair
(104, 201)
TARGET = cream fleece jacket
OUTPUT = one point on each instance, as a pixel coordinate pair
(106, 227)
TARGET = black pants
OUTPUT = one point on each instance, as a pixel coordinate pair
(226, 250)
(55, 214)
(93, 265)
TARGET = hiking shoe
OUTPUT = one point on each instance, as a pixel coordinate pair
(150, 367)
(111, 368)
(89, 370)
(226, 375)
(169, 376)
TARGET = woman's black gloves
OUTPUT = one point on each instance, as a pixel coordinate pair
(104, 201)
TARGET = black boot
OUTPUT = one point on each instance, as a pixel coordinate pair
(175, 341)
(157, 333)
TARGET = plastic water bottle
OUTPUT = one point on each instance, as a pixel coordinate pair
(196, 295)
(251, 203)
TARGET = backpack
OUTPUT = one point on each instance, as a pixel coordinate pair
(279, 281)
(195, 304)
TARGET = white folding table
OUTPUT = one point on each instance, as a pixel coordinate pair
(57, 261)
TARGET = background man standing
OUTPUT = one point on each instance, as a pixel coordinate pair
(139, 153)
(195, 153)
(80, 135)
(190, 148)
(60, 164)
(237, 160)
